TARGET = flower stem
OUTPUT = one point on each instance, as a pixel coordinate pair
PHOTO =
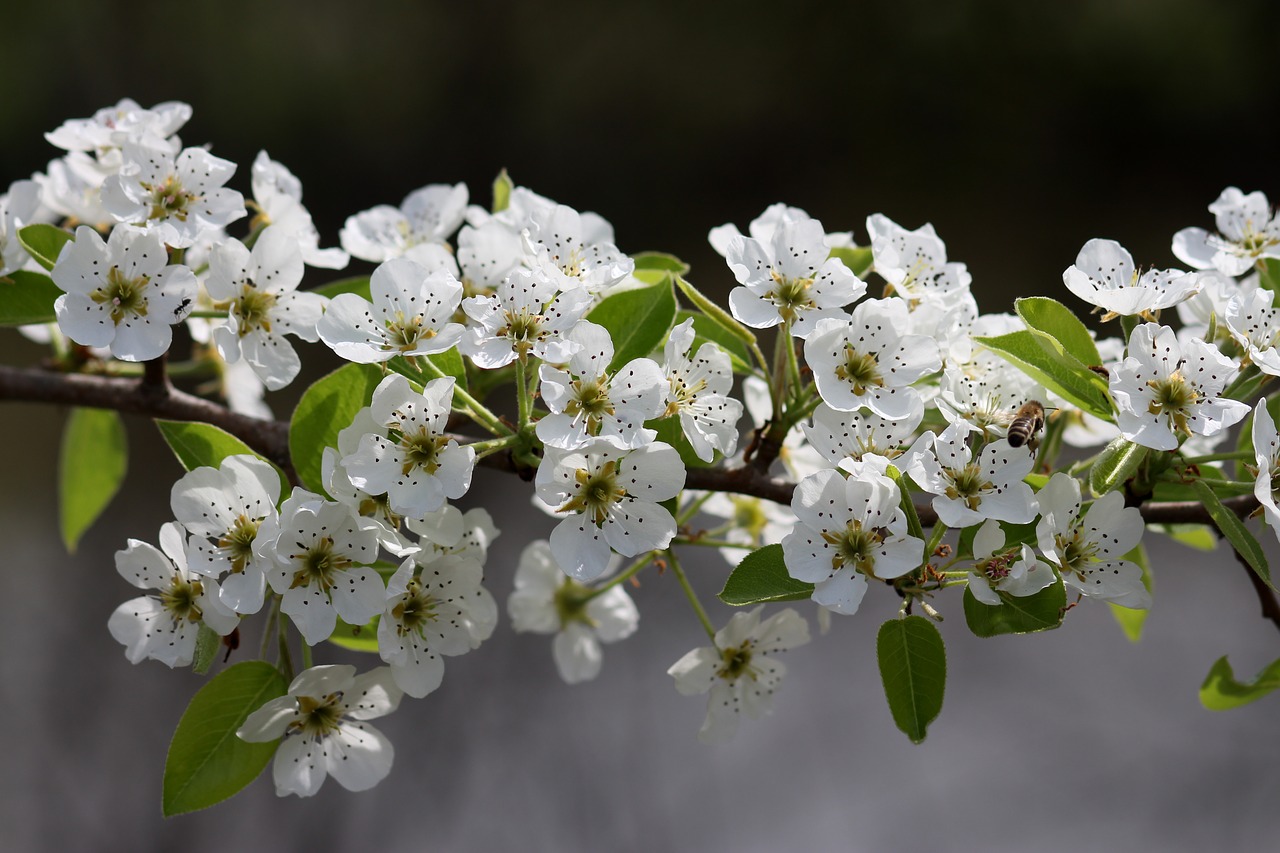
(709, 542)
(478, 411)
(935, 539)
(624, 575)
(524, 398)
(284, 662)
(691, 595)
(691, 509)
(306, 655)
(1218, 457)
(493, 445)
(270, 628)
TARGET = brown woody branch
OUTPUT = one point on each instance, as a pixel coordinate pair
(271, 438)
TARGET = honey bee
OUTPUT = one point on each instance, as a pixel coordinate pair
(1026, 423)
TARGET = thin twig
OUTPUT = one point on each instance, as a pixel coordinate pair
(1266, 597)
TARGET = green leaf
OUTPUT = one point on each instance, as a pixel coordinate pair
(1269, 273)
(91, 468)
(1014, 534)
(1053, 318)
(1198, 536)
(638, 320)
(857, 259)
(26, 298)
(207, 763)
(502, 187)
(1221, 691)
(1016, 615)
(359, 285)
(207, 644)
(357, 638)
(326, 408)
(660, 261)
(1041, 357)
(1232, 528)
(1131, 620)
(718, 315)
(1117, 462)
(706, 330)
(196, 444)
(762, 577)
(913, 667)
(44, 242)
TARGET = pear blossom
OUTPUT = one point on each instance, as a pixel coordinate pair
(983, 395)
(915, 263)
(998, 569)
(868, 361)
(322, 728)
(373, 508)
(176, 197)
(411, 314)
(526, 317)
(451, 532)
(426, 216)
(1086, 548)
(741, 671)
(71, 186)
(751, 522)
(586, 400)
(849, 530)
(1248, 231)
(277, 194)
(164, 626)
(1254, 322)
(1164, 389)
(410, 458)
(762, 228)
(790, 279)
(223, 509)
(608, 497)
(260, 291)
(563, 250)
(842, 435)
(109, 128)
(1104, 275)
(698, 392)
(969, 490)
(19, 206)
(1211, 302)
(545, 601)
(121, 294)
(486, 255)
(1266, 449)
(953, 322)
(322, 556)
(433, 610)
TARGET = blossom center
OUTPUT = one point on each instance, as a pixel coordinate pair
(318, 718)
(1074, 551)
(253, 309)
(124, 295)
(405, 332)
(571, 603)
(861, 370)
(1172, 397)
(523, 329)
(237, 543)
(415, 610)
(319, 565)
(736, 661)
(789, 295)
(597, 492)
(590, 398)
(967, 484)
(169, 199)
(749, 516)
(998, 566)
(421, 449)
(855, 546)
(180, 597)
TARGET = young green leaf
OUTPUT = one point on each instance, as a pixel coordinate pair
(638, 320)
(196, 444)
(449, 363)
(858, 260)
(207, 644)
(1053, 318)
(1129, 619)
(359, 285)
(357, 638)
(706, 330)
(1232, 528)
(326, 408)
(1016, 615)
(913, 668)
(27, 298)
(762, 577)
(1198, 536)
(1222, 692)
(718, 315)
(44, 242)
(660, 261)
(502, 187)
(1038, 355)
(91, 468)
(1117, 462)
(207, 763)
(1269, 273)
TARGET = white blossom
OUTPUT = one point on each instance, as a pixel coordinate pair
(607, 497)
(741, 671)
(1248, 231)
(410, 458)
(997, 569)
(1254, 322)
(322, 728)
(278, 197)
(562, 249)
(842, 435)
(19, 206)
(1164, 389)
(849, 530)
(411, 314)
(122, 293)
(1104, 275)
(426, 216)
(526, 317)
(915, 262)
(1086, 549)
(450, 532)
(790, 279)
(969, 490)
(164, 626)
(1266, 449)
(546, 601)
(698, 392)
(223, 508)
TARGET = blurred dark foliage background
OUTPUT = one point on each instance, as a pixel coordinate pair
(1019, 129)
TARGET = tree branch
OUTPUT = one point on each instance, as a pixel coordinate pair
(271, 438)
(1266, 597)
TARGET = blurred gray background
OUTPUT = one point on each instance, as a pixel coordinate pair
(1019, 130)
